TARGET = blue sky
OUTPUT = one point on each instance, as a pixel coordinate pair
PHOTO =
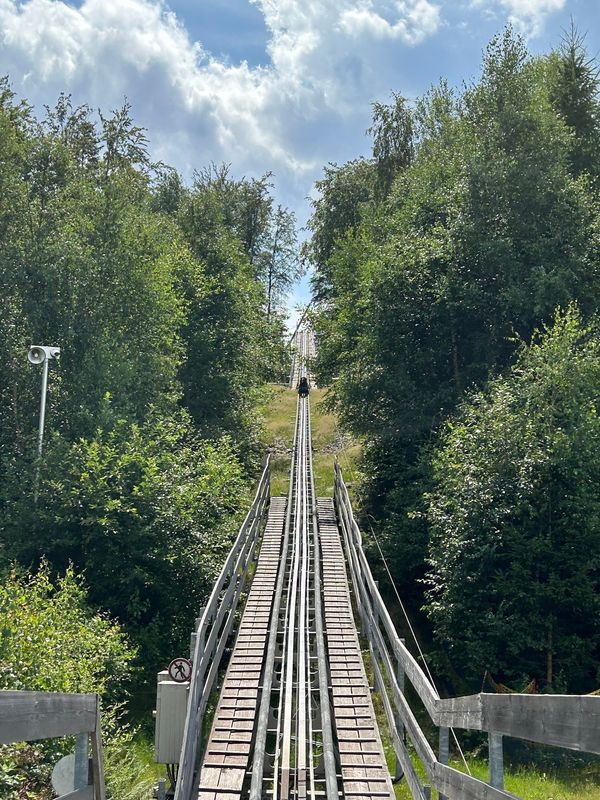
(269, 85)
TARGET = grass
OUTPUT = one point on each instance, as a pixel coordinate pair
(279, 413)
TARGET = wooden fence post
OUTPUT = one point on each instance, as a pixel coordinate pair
(399, 726)
(97, 758)
(82, 764)
(496, 760)
(444, 751)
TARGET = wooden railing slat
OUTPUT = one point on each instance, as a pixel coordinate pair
(28, 716)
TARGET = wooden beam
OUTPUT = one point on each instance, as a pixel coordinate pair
(570, 721)
(28, 716)
(459, 786)
(85, 793)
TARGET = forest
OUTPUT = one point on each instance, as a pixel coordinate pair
(166, 302)
(455, 277)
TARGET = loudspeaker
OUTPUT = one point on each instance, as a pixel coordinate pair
(36, 355)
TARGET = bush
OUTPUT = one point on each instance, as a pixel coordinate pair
(51, 640)
(146, 512)
(515, 514)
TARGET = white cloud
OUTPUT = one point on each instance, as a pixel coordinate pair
(409, 24)
(325, 59)
(528, 16)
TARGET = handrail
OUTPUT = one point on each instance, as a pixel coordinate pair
(29, 716)
(569, 721)
(213, 631)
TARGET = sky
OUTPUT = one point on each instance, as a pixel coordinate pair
(281, 86)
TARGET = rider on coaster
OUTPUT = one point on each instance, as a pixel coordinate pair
(303, 387)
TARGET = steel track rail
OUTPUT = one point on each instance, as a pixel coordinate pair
(301, 712)
(258, 760)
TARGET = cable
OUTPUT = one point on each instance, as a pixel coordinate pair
(414, 635)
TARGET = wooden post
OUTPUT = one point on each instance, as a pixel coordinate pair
(444, 749)
(496, 760)
(399, 726)
(97, 758)
(427, 792)
(82, 767)
(161, 790)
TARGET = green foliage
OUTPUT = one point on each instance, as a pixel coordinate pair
(52, 641)
(343, 192)
(146, 512)
(480, 233)
(393, 141)
(157, 295)
(514, 513)
(574, 78)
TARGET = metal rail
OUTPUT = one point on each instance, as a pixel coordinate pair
(213, 631)
(276, 713)
(304, 763)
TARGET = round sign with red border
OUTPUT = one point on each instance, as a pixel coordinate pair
(180, 670)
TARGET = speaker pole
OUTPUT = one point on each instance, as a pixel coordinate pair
(41, 429)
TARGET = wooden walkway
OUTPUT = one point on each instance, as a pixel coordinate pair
(228, 750)
(364, 773)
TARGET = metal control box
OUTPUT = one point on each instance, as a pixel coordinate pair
(171, 708)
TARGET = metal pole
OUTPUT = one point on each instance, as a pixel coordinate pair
(41, 430)
(43, 407)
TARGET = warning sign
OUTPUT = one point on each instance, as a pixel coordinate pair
(180, 670)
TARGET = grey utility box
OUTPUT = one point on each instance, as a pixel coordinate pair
(171, 708)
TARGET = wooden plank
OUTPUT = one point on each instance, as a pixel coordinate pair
(456, 785)
(28, 716)
(461, 712)
(85, 793)
(225, 759)
(364, 771)
(571, 721)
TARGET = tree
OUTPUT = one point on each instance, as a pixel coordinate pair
(514, 574)
(574, 86)
(344, 191)
(480, 237)
(393, 133)
(146, 512)
(281, 266)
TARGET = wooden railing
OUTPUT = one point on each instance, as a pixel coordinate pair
(570, 721)
(29, 716)
(212, 632)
